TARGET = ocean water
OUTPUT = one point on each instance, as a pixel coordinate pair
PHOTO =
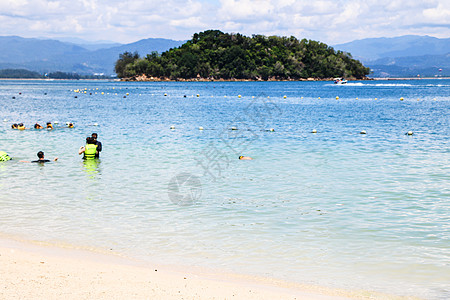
(335, 208)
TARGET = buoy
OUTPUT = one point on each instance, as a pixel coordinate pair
(318, 98)
(376, 98)
(4, 120)
(128, 94)
(200, 128)
(363, 132)
(165, 95)
(284, 97)
(337, 97)
(253, 97)
(418, 99)
(268, 97)
(56, 122)
(401, 98)
(233, 128)
(102, 93)
(95, 124)
(410, 133)
(314, 131)
(434, 99)
(357, 98)
(239, 96)
(172, 127)
(198, 95)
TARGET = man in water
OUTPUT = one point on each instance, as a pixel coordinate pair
(90, 150)
(245, 157)
(41, 159)
(99, 145)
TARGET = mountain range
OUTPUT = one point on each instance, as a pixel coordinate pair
(404, 56)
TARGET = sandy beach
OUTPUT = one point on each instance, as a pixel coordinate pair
(32, 271)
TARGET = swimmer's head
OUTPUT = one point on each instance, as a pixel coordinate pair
(94, 136)
(13, 126)
(21, 124)
(40, 154)
(240, 157)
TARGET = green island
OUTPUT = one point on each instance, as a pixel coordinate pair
(214, 55)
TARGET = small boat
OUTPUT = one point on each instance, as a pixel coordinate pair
(340, 81)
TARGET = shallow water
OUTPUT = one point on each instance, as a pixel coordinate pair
(335, 208)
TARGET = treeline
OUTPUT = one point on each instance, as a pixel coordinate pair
(27, 74)
(216, 55)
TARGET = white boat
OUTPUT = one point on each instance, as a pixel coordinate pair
(340, 81)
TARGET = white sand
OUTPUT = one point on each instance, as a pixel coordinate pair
(30, 271)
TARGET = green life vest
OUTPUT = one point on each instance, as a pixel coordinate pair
(4, 156)
(90, 151)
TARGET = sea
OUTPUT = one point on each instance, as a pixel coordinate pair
(338, 194)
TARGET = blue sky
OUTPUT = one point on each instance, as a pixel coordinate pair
(125, 21)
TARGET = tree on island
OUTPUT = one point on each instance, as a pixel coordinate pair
(216, 55)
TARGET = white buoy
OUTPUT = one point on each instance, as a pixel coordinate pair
(95, 124)
(410, 133)
(363, 132)
(200, 128)
(4, 120)
(233, 128)
(55, 122)
(172, 127)
(314, 131)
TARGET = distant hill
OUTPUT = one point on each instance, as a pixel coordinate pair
(46, 56)
(403, 56)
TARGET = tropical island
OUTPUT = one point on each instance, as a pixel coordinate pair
(214, 55)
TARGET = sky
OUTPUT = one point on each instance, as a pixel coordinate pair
(126, 21)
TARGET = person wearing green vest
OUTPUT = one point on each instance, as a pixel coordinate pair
(90, 150)
(4, 156)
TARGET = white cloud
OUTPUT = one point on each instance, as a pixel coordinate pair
(127, 21)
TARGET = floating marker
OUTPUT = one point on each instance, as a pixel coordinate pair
(172, 127)
(356, 98)
(337, 97)
(55, 122)
(434, 99)
(363, 132)
(4, 120)
(410, 133)
(102, 93)
(318, 98)
(200, 128)
(165, 95)
(314, 131)
(401, 98)
(376, 98)
(253, 97)
(128, 94)
(284, 97)
(233, 128)
(95, 124)
(198, 95)
(239, 96)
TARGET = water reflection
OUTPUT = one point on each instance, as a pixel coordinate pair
(92, 168)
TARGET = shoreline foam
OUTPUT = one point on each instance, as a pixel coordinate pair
(32, 271)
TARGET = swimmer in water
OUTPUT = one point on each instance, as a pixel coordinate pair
(14, 126)
(21, 126)
(49, 125)
(38, 126)
(41, 159)
(70, 125)
(4, 156)
(245, 157)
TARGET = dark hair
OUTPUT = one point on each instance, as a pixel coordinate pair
(90, 140)
(14, 125)
(37, 125)
(40, 154)
(96, 135)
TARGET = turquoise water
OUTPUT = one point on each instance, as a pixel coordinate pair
(335, 208)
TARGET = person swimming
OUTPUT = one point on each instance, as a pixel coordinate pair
(49, 125)
(4, 156)
(38, 126)
(41, 159)
(14, 126)
(70, 125)
(21, 126)
(245, 157)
